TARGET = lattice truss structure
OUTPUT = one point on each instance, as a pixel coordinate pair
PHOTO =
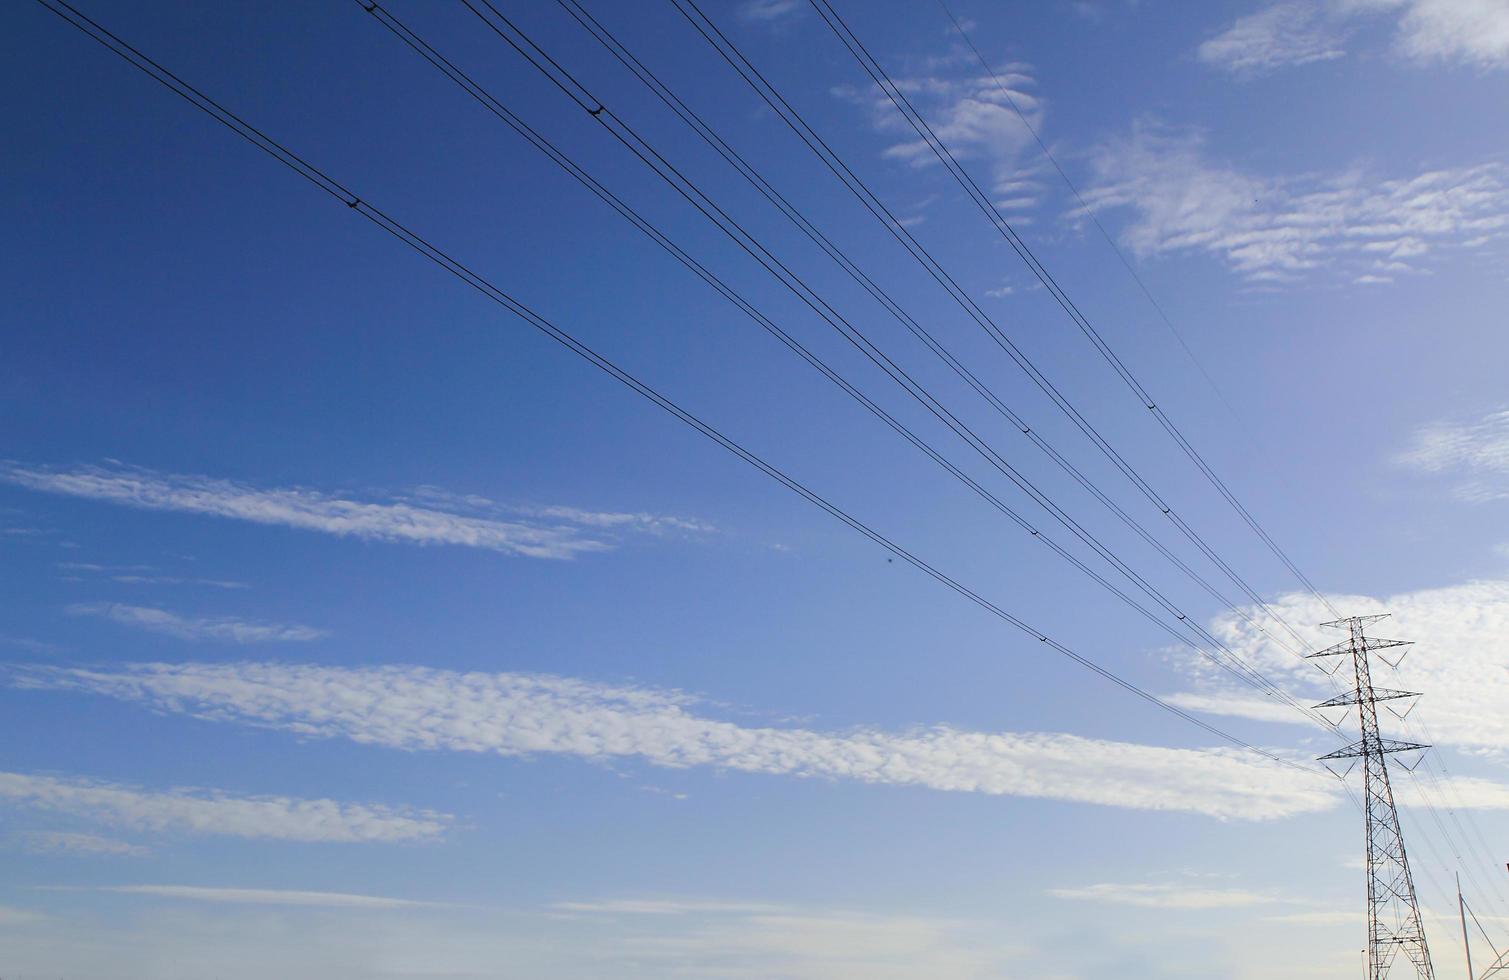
(1394, 925)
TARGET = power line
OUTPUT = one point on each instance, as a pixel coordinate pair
(877, 208)
(1089, 212)
(413, 240)
(647, 154)
(898, 98)
(752, 174)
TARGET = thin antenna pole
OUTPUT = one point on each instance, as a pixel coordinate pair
(1462, 911)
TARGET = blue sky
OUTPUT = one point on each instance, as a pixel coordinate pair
(353, 629)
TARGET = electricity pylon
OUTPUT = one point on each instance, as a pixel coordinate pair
(1393, 911)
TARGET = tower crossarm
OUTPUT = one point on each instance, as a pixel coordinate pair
(1357, 621)
(1347, 647)
(1379, 694)
(1381, 746)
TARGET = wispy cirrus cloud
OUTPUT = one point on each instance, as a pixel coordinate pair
(971, 112)
(1474, 452)
(72, 844)
(272, 933)
(769, 10)
(10, 916)
(666, 906)
(1282, 229)
(222, 629)
(1474, 33)
(395, 521)
(517, 715)
(217, 813)
(714, 937)
(138, 575)
(268, 896)
(1470, 32)
(1295, 32)
(1165, 895)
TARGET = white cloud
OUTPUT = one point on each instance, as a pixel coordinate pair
(1477, 452)
(1295, 32)
(266, 896)
(662, 906)
(1471, 32)
(1165, 896)
(769, 10)
(11, 916)
(311, 510)
(72, 844)
(710, 937)
(973, 117)
(1236, 705)
(139, 575)
(218, 813)
(616, 519)
(1280, 229)
(1321, 917)
(27, 644)
(516, 714)
(186, 628)
(1459, 666)
(246, 942)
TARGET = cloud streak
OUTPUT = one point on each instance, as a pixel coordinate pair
(1295, 32)
(1165, 896)
(1280, 229)
(401, 522)
(139, 575)
(1474, 33)
(213, 812)
(973, 117)
(186, 628)
(1477, 452)
(267, 896)
(416, 708)
(59, 842)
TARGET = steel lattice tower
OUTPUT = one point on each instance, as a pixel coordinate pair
(1393, 911)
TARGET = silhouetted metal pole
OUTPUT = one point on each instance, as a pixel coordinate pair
(1462, 911)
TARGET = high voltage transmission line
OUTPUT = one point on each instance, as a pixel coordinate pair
(585, 100)
(903, 104)
(709, 135)
(814, 141)
(782, 107)
(1089, 211)
(652, 158)
(1242, 671)
(750, 173)
(445, 261)
(353, 202)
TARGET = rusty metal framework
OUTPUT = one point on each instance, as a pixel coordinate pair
(1394, 925)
